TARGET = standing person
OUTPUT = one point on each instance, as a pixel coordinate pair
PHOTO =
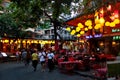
(23, 55)
(35, 60)
(42, 57)
(50, 57)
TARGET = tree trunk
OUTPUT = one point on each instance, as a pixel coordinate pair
(55, 33)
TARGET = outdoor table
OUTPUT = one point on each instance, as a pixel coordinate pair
(60, 60)
(69, 65)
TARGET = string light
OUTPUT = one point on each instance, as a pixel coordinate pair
(107, 23)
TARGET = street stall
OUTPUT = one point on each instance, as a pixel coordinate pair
(12, 45)
(100, 28)
(101, 31)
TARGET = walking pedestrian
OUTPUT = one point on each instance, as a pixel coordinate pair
(42, 58)
(50, 56)
(23, 55)
(28, 58)
(35, 60)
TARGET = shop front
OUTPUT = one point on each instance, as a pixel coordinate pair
(101, 28)
(12, 45)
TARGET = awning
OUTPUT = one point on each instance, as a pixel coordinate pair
(83, 17)
(110, 13)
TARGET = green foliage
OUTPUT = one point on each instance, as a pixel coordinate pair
(31, 11)
(61, 6)
(46, 25)
(28, 13)
(1, 8)
(1, 1)
(7, 25)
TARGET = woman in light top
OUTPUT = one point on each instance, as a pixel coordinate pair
(42, 58)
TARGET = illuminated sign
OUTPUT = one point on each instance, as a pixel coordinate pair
(116, 37)
(88, 37)
(115, 30)
(94, 36)
(98, 35)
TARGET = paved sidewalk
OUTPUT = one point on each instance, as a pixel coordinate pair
(89, 74)
(17, 71)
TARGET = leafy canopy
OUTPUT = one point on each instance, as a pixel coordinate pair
(21, 14)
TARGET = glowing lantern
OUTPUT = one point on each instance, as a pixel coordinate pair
(6, 41)
(23, 41)
(102, 20)
(77, 29)
(97, 26)
(80, 25)
(97, 21)
(43, 42)
(18, 41)
(12, 41)
(101, 44)
(28, 41)
(116, 21)
(68, 29)
(78, 35)
(107, 23)
(102, 24)
(112, 24)
(35, 41)
(82, 32)
(32, 41)
(88, 23)
(40, 41)
(53, 41)
(72, 32)
(86, 29)
(89, 27)
(113, 43)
